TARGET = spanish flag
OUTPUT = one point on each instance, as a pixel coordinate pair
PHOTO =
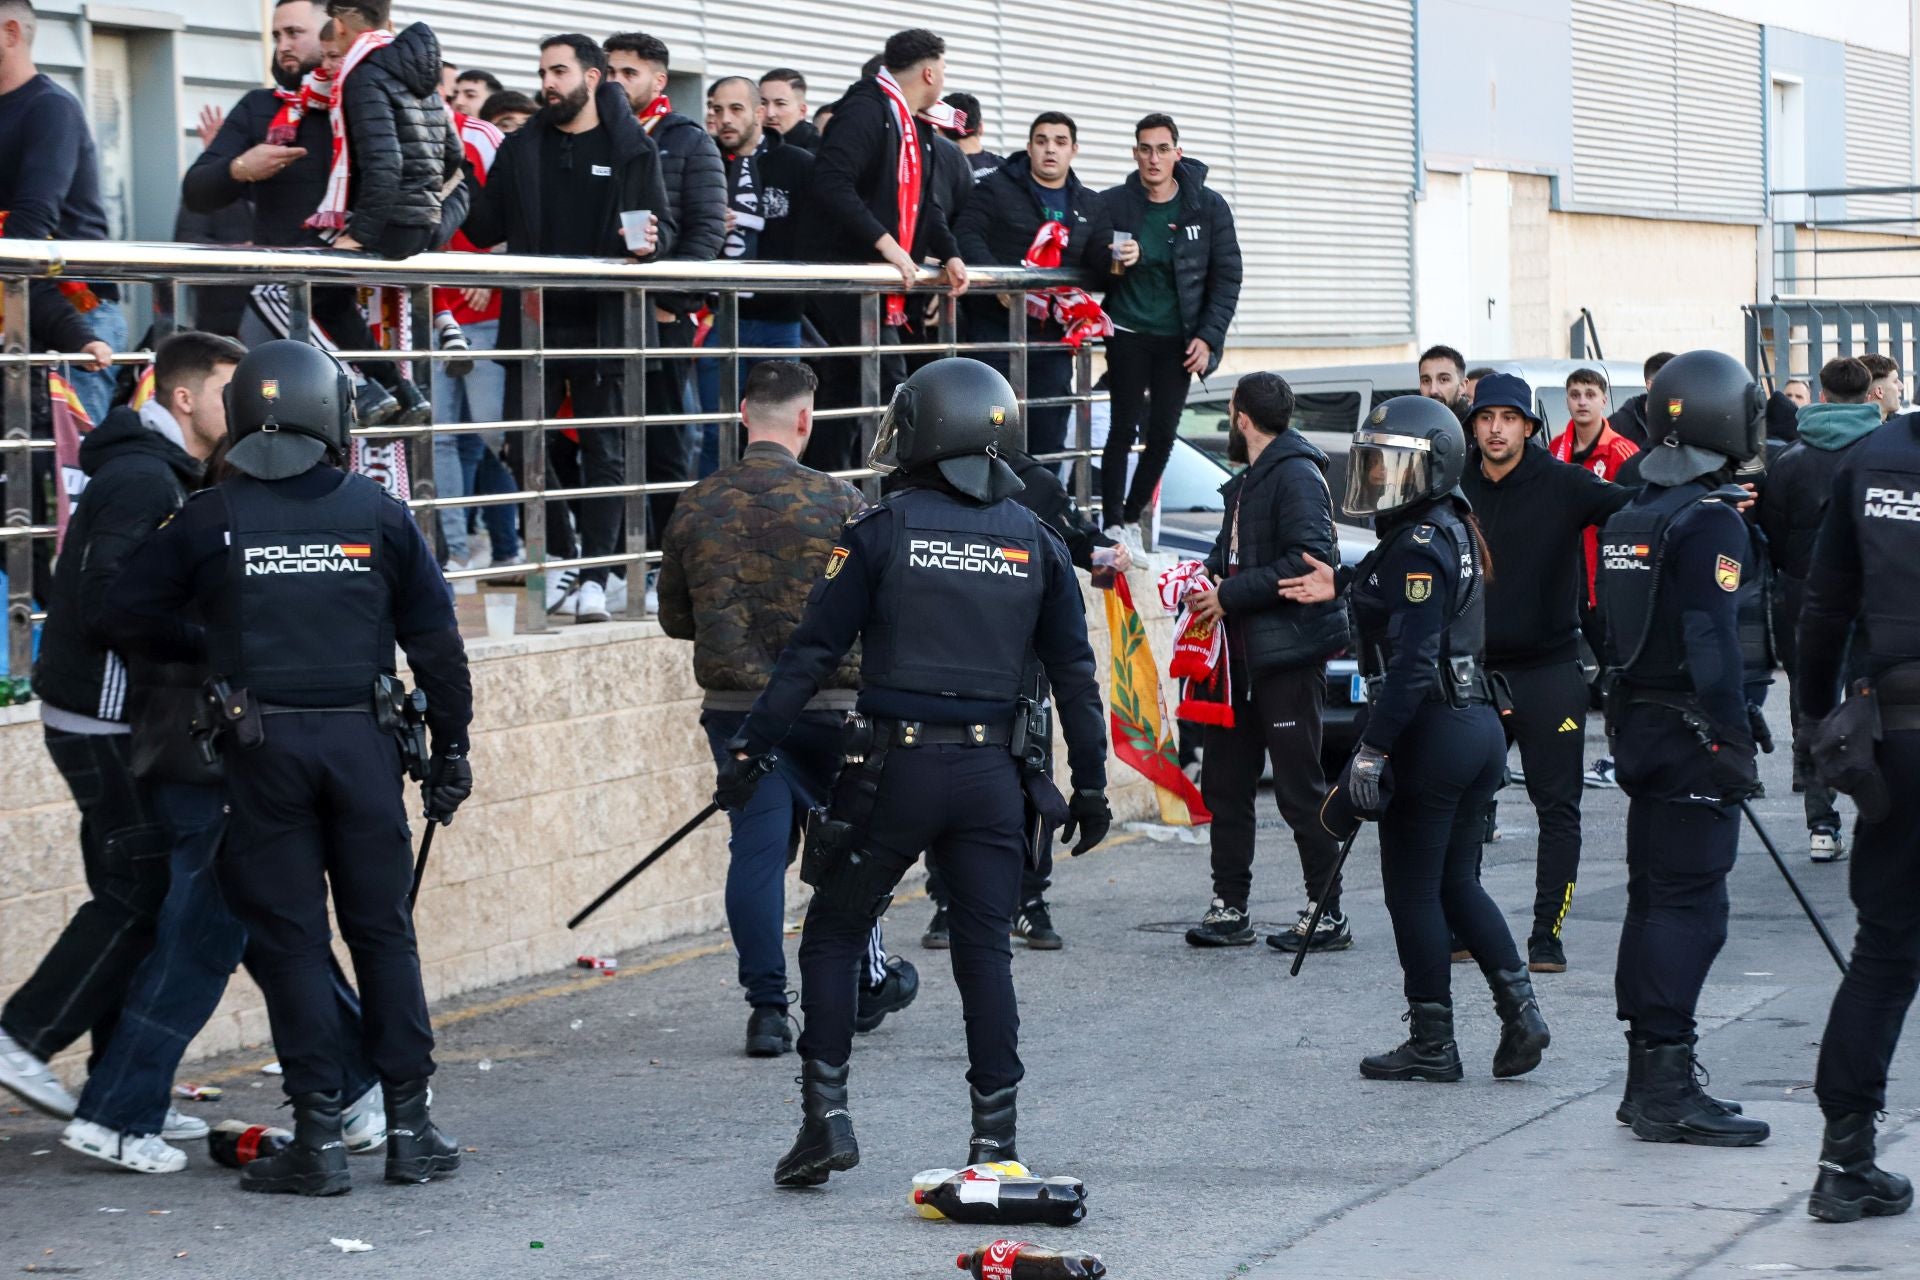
(355, 550)
(1015, 555)
(1142, 732)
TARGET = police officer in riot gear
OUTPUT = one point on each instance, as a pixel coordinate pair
(1671, 568)
(307, 576)
(1431, 754)
(1865, 578)
(950, 587)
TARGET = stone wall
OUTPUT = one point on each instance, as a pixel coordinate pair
(587, 752)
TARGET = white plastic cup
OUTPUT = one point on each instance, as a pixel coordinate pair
(633, 225)
(502, 609)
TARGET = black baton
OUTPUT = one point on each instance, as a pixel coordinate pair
(1819, 926)
(1320, 903)
(644, 863)
(420, 863)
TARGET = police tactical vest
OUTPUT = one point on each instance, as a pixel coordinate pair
(1632, 564)
(1464, 634)
(1886, 520)
(305, 615)
(958, 600)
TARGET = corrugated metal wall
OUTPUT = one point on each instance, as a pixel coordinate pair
(1879, 131)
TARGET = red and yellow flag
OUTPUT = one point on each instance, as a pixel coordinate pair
(1143, 733)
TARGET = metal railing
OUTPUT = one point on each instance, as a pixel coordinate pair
(165, 268)
(1792, 339)
(1810, 248)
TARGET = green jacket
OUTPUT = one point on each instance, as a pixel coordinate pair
(739, 558)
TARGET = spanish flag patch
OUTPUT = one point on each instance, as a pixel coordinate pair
(355, 550)
(1015, 555)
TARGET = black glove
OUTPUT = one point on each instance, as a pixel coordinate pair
(1735, 770)
(449, 782)
(1090, 815)
(739, 778)
(1363, 779)
(1757, 724)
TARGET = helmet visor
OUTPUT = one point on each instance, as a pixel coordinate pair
(1386, 473)
(884, 457)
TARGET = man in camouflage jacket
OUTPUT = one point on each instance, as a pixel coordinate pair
(742, 552)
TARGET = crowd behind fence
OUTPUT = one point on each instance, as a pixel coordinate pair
(167, 269)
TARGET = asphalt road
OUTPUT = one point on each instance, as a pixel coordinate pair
(1210, 1102)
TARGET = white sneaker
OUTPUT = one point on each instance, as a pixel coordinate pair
(181, 1127)
(363, 1125)
(592, 606)
(1601, 775)
(561, 596)
(27, 1076)
(1825, 846)
(1136, 542)
(149, 1154)
(616, 593)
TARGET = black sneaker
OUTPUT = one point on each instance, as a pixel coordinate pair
(895, 992)
(1546, 954)
(1222, 926)
(375, 404)
(1035, 924)
(935, 938)
(1331, 934)
(415, 410)
(768, 1035)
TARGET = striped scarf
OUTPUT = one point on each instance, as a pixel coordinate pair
(332, 214)
(906, 182)
(314, 94)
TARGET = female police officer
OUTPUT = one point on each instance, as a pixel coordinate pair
(1431, 755)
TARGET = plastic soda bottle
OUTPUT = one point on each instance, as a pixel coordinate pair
(1018, 1260)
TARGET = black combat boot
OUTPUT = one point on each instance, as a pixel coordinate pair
(825, 1143)
(1850, 1184)
(1636, 1077)
(1523, 1031)
(315, 1163)
(416, 1151)
(993, 1117)
(1429, 1052)
(1672, 1107)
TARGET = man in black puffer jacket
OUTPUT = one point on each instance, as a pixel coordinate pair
(1279, 513)
(405, 192)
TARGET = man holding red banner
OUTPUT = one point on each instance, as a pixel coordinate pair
(1035, 211)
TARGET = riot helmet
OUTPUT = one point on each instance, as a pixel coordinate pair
(1704, 410)
(959, 416)
(1410, 450)
(289, 405)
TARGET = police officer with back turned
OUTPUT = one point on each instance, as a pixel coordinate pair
(307, 576)
(1865, 576)
(1671, 564)
(949, 586)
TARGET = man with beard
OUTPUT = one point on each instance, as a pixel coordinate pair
(559, 186)
(275, 151)
(1443, 373)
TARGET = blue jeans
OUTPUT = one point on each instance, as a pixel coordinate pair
(95, 389)
(753, 333)
(764, 832)
(197, 943)
(460, 462)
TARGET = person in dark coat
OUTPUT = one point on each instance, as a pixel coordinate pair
(1009, 208)
(1171, 308)
(1630, 419)
(783, 93)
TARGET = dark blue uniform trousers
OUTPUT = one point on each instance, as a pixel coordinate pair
(964, 806)
(320, 803)
(1871, 1005)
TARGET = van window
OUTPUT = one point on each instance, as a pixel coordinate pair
(1337, 411)
(1381, 397)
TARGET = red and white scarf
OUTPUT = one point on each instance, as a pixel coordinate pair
(1199, 649)
(651, 114)
(332, 214)
(1074, 309)
(906, 182)
(314, 94)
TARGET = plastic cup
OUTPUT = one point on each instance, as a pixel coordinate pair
(502, 610)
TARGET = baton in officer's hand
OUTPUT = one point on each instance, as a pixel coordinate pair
(420, 863)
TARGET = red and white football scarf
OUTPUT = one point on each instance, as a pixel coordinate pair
(906, 182)
(651, 114)
(332, 214)
(1074, 309)
(1199, 649)
(314, 94)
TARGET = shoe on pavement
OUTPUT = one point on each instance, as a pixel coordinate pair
(1035, 924)
(1428, 1053)
(768, 1035)
(1850, 1185)
(562, 595)
(181, 1127)
(1601, 775)
(936, 937)
(148, 1154)
(825, 1144)
(1825, 845)
(616, 593)
(592, 604)
(1673, 1107)
(1331, 934)
(28, 1077)
(363, 1125)
(1222, 926)
(518, 560)
(1546, 954)
(895, 992)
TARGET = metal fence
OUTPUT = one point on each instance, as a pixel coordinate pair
(168, 269)
(1814, 246)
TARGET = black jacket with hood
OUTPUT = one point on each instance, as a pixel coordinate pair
(1285, 511)
(1207, 267)
(696, 182)
(136, 478)
(856, 185)
(401, 144)
(509, 207)
(999, 223)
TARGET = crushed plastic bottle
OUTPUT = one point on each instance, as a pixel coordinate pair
(1018, 1260)
(980, 1195)
(234, 1143)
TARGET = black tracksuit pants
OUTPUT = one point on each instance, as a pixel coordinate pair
(1277, 718)
(1148, 378)
(1549, 722)
(1863, 1027)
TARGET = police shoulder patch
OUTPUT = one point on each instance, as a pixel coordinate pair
(1419, 587)
(835, 559)
(1726, 572)
(1423, 535)
(865, 513)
